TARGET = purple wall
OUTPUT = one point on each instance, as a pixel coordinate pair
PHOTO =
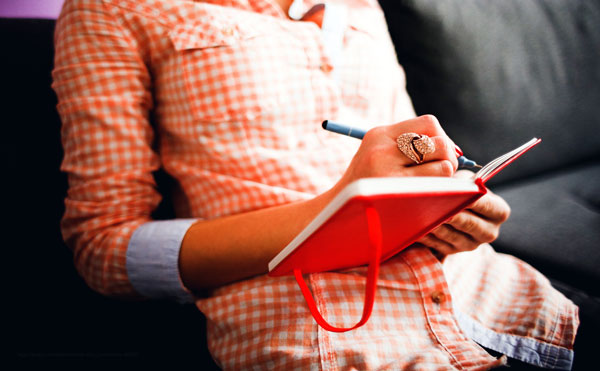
(30, 8)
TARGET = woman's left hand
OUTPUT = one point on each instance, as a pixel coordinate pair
(477, 224)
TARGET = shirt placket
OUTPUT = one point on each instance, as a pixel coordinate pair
(438, 308)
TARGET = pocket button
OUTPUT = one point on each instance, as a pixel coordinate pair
(228, 31)
(326, 67)
(438, 297)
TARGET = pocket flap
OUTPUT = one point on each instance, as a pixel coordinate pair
(210, 34)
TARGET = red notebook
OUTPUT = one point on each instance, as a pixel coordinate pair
(373, 219)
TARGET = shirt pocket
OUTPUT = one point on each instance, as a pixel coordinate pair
(219, 57)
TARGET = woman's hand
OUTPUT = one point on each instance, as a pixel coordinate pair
(478, 224)
(378, 155)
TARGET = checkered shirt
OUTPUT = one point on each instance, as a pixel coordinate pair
(227, 96)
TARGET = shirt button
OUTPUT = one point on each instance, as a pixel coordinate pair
(228, 31)
(326, 67)
(438, 297)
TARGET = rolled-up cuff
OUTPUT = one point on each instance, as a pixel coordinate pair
(153, 259)
(524, 349)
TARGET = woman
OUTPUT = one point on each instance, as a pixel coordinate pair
(237, 90)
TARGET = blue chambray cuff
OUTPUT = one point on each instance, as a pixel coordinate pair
(524, 349)
(152, 259)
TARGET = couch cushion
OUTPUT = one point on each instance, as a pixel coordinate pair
(498, 72)
(555, 225)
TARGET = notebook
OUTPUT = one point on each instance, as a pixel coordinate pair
(372, 219)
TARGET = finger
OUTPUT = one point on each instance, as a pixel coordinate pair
(491, 207)
(444, 150)
(433, 242)
(435, 168)
(426, 124)
(457, 239)
(477, 228)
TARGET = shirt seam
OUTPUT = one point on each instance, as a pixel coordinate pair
(429, 325)
(328, 358)
(134, 9)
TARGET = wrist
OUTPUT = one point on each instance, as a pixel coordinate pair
(220, 251)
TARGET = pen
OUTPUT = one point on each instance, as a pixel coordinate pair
(336, 127)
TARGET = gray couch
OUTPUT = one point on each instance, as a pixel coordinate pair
(496, 73)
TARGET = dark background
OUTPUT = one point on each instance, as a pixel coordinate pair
(58, 318)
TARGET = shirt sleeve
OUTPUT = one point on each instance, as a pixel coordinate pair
(104, 99)
(152, 259)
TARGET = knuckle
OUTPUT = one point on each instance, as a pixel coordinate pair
(460, 219)
(379, 130)
(445, 150)
(426, 240)
(486, 207)
(506, 212)
(442, 147)
(446, 234)
(455, 220)
(496, 206)
(494, 235)
(432, 242)
(373, 133)
(469, 225)
(489, 235)
(439, 232)
(431, 120)
(446, 168)
(431, 123)
(444, 144)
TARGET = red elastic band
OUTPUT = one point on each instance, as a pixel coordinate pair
(375, 239)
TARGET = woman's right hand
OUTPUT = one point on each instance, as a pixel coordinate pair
(215, 252)
(378, 154)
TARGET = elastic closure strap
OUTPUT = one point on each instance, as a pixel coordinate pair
(375, 242)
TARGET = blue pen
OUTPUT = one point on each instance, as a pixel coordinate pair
(336, 127)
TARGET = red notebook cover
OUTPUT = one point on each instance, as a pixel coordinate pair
(373, 219)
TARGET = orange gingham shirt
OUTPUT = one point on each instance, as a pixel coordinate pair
(237, 92)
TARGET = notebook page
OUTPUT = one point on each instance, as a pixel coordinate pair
(493, 166)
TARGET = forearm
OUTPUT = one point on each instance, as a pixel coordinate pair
(228, 249)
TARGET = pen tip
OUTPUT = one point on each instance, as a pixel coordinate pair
(324, 124)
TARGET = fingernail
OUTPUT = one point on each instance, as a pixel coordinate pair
(459, 151)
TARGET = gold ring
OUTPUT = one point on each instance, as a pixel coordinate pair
(415, 146)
